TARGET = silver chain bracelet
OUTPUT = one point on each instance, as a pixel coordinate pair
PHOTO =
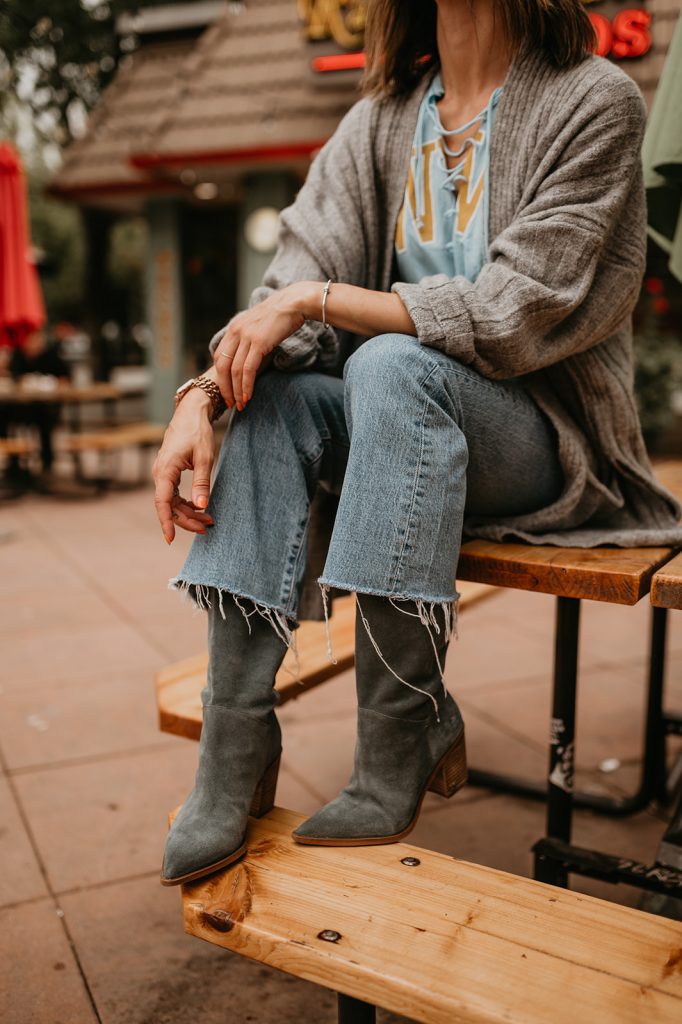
(325, 293)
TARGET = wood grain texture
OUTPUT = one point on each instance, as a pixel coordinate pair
(615, 575)
(179, 686)
(666, 586)
(445, 942)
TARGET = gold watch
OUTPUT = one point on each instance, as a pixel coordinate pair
(211, 389)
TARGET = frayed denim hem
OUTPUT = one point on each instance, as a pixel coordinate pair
(425, 612)
(285, 627)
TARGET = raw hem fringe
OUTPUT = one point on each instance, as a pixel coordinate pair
(200, 595)
(425, 612)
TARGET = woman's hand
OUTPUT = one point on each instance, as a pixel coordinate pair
(254, 334)
(187, 444)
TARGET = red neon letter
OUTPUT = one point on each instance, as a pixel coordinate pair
(630, 33)
(602, 27)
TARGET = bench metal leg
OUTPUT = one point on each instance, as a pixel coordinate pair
(562, 736)
(354, 1011)
(657, 725)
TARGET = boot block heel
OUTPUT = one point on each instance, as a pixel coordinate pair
(451, 771)
(264, 795)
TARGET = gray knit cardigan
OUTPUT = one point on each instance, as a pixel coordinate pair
(552, 304)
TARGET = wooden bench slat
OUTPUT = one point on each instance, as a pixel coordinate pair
(666, 587)
(178, 686)
(616, 575)
(122, 435)
(18, 445)
(445, 941)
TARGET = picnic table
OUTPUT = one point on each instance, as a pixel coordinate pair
(106, 440)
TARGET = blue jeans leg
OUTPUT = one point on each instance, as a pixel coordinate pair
(431, 440)
(290, 437)
(410, 439)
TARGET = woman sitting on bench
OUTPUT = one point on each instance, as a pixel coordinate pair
(445, 331)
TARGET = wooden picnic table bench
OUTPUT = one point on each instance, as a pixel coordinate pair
(18, 446)
(666, 593)
(610, 574)
(437, 939)
(111, 440)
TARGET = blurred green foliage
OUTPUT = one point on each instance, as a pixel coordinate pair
(57, 53)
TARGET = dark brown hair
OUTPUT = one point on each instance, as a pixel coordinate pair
(400, 38)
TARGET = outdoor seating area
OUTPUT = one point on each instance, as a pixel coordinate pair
(340, 512)
(91, 625)
(226, 908)
(89, 431)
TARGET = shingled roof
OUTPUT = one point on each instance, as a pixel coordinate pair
(248, 92)
(243, 93)
(128, 112)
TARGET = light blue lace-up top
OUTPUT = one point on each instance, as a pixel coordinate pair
(440, 231)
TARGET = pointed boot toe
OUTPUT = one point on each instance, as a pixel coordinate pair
(396, 763)
(189, 856)
(237, 776)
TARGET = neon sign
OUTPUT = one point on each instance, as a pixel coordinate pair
(340, 20)
(626, 34)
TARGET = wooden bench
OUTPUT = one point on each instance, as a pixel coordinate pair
(179, 686)
(436, 939)
(666, 593)
(109, 441)
(441, 940)
(18, 446)
(666, 587)
(123, 435)
(614, 575)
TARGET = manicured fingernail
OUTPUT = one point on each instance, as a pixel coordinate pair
(167, 540)
(245, 398)
(201, 531)
(240, 406)
(202, 501)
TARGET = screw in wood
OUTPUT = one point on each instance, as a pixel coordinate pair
(411, 862)
(329, 935)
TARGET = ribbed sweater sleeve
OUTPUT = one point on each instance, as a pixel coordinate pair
(534, 302)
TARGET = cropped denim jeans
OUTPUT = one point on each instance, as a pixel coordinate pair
(409, 439)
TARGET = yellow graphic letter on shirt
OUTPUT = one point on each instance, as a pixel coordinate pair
(425, 230)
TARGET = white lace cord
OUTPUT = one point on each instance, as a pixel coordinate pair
(383, 660)
(428, 618)
(324, 587)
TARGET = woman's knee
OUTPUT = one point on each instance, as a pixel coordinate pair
(382, 356)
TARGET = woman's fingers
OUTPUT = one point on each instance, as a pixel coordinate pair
(165, 482)
(251, 366)
(201, 478)
(187, 517)
(223, 359)
(238, 372)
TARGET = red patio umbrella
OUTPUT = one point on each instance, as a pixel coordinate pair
(21, 301)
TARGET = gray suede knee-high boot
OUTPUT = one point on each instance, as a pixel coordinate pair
(408, 741)
(240, 744)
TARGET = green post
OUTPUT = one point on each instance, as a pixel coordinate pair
(165, 313)
(275, 188)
